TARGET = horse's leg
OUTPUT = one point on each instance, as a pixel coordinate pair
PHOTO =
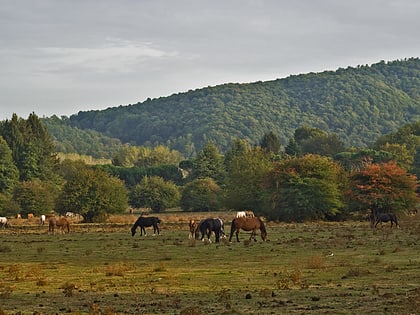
(237, 235)
(217, 234)
(253, 235)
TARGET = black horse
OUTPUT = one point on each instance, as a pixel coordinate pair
(375, 219)
(143, 222)
(206, 226)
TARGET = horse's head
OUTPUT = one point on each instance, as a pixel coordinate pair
(133, 230)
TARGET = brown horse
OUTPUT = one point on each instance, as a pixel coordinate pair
(193, 227)
(62, 223)
(248, 224)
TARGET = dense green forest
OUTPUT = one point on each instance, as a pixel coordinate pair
(359, 104)
(315, 177)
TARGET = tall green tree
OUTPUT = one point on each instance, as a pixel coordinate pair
(156, 193)
(201, 195)
(93, 194)
(9, 173)
(314, 141)
(271, 143)
(209, 164)
(36, 196)
(238, 148)
(244, 185)
(32, 147)
(306, 188)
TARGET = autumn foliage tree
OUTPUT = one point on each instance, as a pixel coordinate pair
(382, 187)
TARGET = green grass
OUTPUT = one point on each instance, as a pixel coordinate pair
(107, 271)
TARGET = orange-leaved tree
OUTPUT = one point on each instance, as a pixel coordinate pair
(383, 187)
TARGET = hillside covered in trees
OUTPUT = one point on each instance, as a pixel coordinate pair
(358, 104)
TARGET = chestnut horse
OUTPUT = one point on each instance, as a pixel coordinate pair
(193, 227)
(62, 223)
(248, 224)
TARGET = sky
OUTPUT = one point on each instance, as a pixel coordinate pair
(59, 57)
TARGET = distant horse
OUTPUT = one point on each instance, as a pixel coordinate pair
(144, 222)
(248, 224)
(245, 214)
(61, 222)
(206, 226)
(42, 219)
(4, 222)
(193, 227)
(383, 217)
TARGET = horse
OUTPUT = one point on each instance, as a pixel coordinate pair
(193, 227)
(42, 219)
(206, 226)
(4, 222)
(143, 222)
(61, 222)
(383, 217)
(248, 224)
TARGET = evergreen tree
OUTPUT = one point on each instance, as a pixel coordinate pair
(32, 147)
(270, 143)
(209, 164)
(244, 184)
(9, 173)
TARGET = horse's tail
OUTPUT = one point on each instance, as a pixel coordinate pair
(263, 230)
(232, 229)
(395, 220)
(262, 226)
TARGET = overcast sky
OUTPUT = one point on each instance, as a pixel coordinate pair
(63, 56)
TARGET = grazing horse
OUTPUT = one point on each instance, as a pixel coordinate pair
(4, 222)
(383, 217)
(61, 222)
(143, 222)
(206, 226)
(248, 224)
(193, 227)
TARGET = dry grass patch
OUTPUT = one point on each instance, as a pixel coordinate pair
(119, 269)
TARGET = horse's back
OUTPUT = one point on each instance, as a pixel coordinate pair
(247, 223)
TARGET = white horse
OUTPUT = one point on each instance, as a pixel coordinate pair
(4, 222)
(43, 218)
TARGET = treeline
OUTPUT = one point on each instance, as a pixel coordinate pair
(358, 104)
(314, 177)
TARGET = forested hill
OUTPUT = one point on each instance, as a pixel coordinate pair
(359, 104)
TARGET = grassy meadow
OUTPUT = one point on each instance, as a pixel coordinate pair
(305, 268)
